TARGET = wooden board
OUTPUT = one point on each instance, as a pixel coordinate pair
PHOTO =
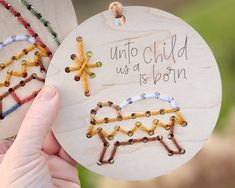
(62, 17)
(194, 83)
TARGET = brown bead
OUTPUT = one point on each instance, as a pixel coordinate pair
(99, 163)
(119, 118)
(79, 39)
(162, 111)
(106, 120)
(170, 153)
(145, 139)
(6, 84)
(67, 69)
(88, 135)
(147, 113)
(24, 74)
(133, 116)
(76, 78)
(73, 56)
(131, 141)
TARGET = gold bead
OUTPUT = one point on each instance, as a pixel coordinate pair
(130, 133)
(89, 54)
(155, 121)
(110, 137)
(117, 128)
(150, 132)
(138, 124)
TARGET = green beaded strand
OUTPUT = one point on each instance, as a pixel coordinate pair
(46, 23)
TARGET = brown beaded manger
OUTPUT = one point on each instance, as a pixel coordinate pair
(105, 137)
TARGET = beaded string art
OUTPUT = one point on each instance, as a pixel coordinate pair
(36, 62)
(27, 26)
(39, 16)
(19, 102)
(82, 66)
(24, 64)
(105, 136)
(42, 51)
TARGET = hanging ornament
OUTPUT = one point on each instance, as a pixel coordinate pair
(154, 101)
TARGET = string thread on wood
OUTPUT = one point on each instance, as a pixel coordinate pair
(27, 26)
(39, 16)
(83, 66)
(105, 136)
(19, 102)
(25, 64)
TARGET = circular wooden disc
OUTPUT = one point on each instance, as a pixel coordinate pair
(153, 51)
(58, 13)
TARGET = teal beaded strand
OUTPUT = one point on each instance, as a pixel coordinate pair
(39, 17)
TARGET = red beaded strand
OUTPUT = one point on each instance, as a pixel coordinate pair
(27, 26)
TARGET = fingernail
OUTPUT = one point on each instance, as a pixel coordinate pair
(47, 93)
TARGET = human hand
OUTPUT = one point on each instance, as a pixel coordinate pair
(35, 159)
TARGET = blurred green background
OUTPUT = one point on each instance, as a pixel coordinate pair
(215, 21)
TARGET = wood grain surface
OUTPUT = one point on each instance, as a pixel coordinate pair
(187, 72)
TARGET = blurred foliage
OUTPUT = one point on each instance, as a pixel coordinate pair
(215, 21)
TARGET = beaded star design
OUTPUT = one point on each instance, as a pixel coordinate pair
(83, 66)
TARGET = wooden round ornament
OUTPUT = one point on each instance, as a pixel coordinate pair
(17, 46)
(138, 98)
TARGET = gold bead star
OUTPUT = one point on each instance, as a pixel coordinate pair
(83, 66)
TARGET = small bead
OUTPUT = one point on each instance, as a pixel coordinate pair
(170, 136)
(130, 133)
(106, 144)
(92, 75)
(76, 78)
(133, 116)
(99, 64)
(79, 39)
(106, 120)
(162, 111)
(145, 139)
(93, 111)
(93, 122)
(147, 113)
(2, 66)
(184, 123)
(160, 137)
(170, 153)
(117, 143)
(150, 132)
(111, 161)
(138, 124)
(131, 141)
(89, 54)
(73, 56)
(119, 118)
(6, 84)
(110, 137)
(155, 121)
(182, 151)
(88, 135)
(117, 128)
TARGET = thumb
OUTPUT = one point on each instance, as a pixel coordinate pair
(38, 120)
